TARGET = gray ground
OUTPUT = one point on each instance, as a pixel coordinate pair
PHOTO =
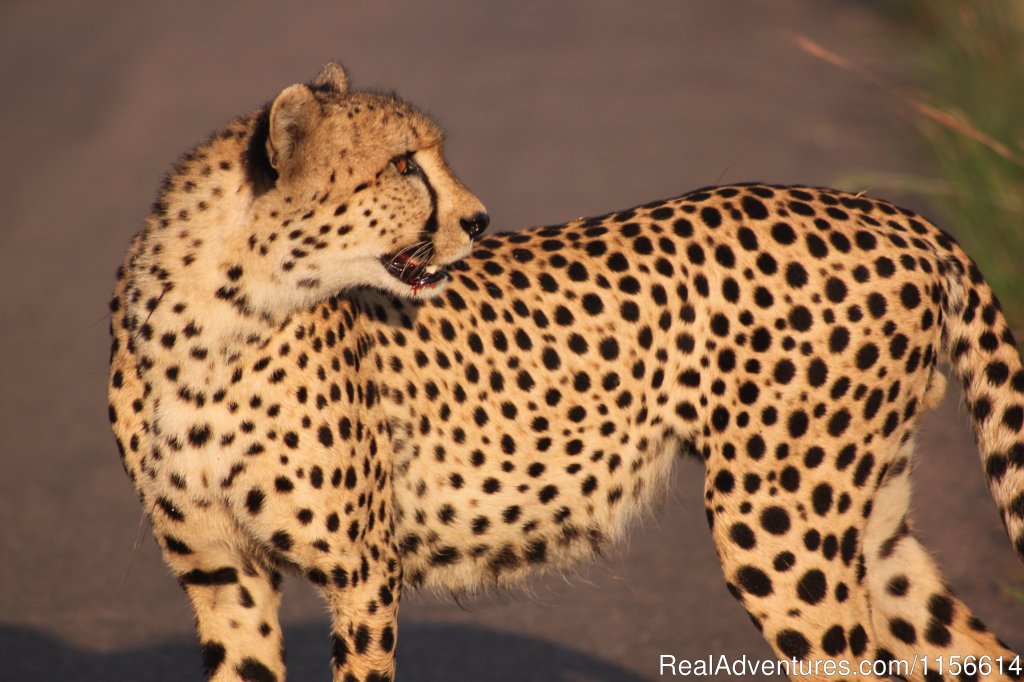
(554, 110)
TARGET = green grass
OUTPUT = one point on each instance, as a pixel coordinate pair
(971, 69)
(971, 116)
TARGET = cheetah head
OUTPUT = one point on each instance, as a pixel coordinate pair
(351, 189)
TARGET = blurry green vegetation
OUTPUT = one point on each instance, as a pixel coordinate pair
(971, 115)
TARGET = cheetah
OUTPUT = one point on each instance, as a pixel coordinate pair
(320, 365)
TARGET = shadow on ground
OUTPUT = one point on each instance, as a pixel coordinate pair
(430, 652)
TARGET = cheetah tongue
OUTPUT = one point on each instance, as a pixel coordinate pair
(413, 272)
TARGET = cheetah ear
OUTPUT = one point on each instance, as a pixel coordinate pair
(332, 78)
(288, 124)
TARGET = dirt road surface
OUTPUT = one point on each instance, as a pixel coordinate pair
(553, 110)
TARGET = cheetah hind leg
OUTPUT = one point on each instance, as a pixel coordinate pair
(234, 596)
(802, 587)
(914, 612)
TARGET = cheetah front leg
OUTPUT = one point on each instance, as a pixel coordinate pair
(234, 595)
(338, 531)
(363, 597)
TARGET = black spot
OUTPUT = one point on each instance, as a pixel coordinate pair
(339, 651)
(903, 630)
(754, 581)
(796, 275)
(536, 551)
(754, 208)
(199, 434)
(593, 304)
(835, 289)
(761, 340)
(251, 670)
(997, 373)
(865, 240)
(789, 479)
(784, 561)
(609, 348)
(898, 586)
(938, 634)
(445, 556)
(221, 576)
(362, 639)
(720, 325)
(846, 456)
(812, 586)
(747, 238)
(254, 501)
(838, 423)
(800, 318)
(876, 305)
(176, 546)
(814, 457)
(724, 256)
(817, 373)
(910, 296)
(387, 641)
(282, 540)
(783, 233)
(793, 644)
(775, 520)
(858, 640)
(833, 642)
(662, 213)
(763, 298)
(864, 467)
(821, 498)
(784, 371)
(695, 253)
(617, 263)
(755, 447)
(720, 419)
(748, 391)
(213, 657)
(816, 246)
(941, 608)
(742, 535)
(798, 423)
(711, 216)
(683, 228)
(724, 481)
(1013, 418)
(884, 267)
(867, 356)
(839, 340)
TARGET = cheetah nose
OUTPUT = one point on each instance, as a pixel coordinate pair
(475, 224)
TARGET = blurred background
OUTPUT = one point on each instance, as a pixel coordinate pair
(553, 110)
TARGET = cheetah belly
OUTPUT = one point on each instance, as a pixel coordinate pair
(480, 516)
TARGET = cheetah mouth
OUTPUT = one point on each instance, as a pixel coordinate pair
(413, 272)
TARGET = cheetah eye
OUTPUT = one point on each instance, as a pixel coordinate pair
(404, 164)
